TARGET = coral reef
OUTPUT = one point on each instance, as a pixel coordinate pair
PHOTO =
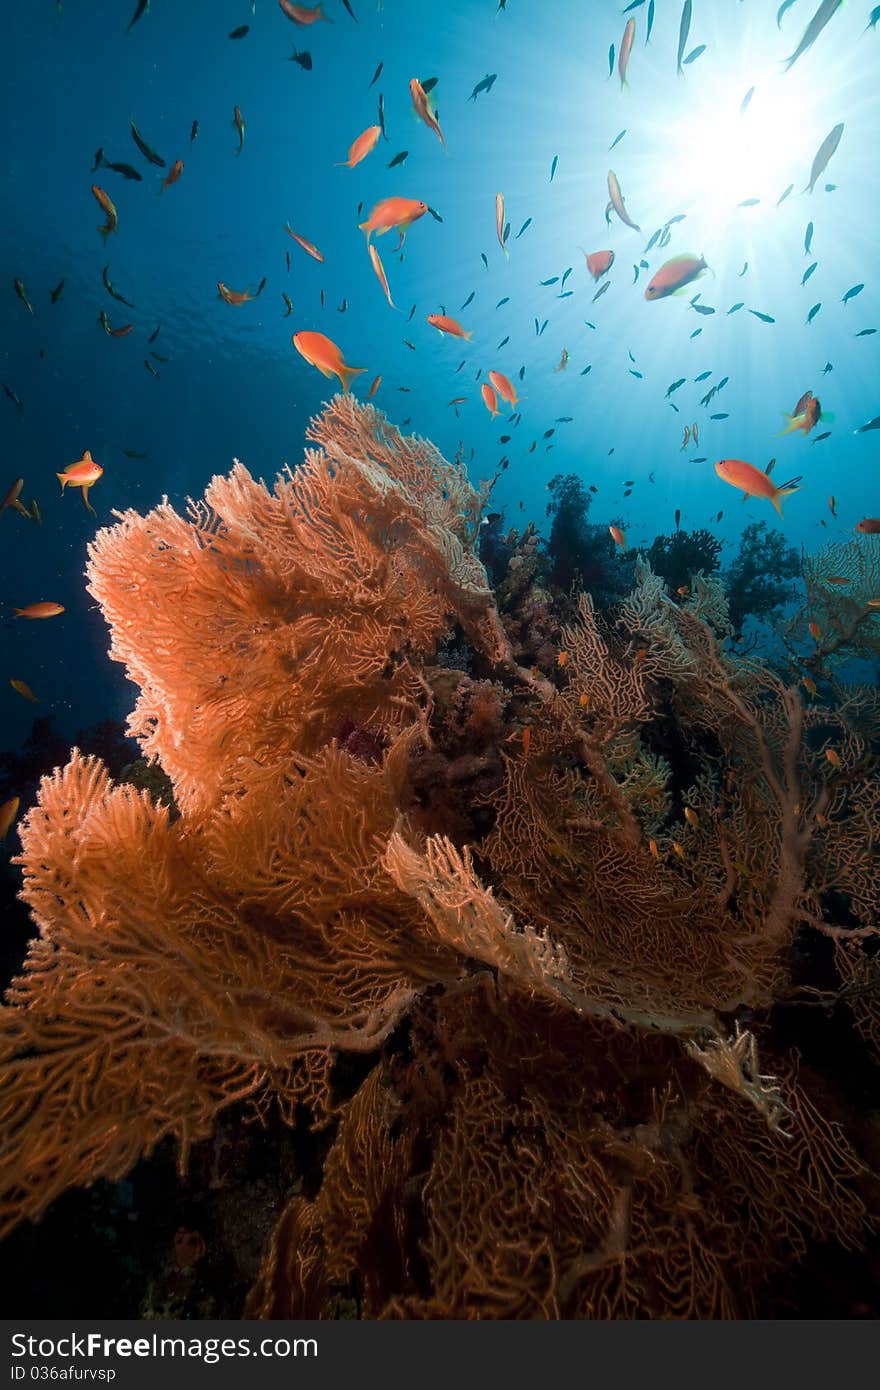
(760, 579)
(546, 891)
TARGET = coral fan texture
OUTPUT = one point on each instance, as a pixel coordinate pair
(551, 903)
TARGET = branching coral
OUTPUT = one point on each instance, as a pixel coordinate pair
(571, 1110)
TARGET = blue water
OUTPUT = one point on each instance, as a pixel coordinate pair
(235, 387)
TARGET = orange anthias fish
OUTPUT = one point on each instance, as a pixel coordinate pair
(377, 382)
(444, 324)
(499, 222)
(22, 688)
(626, 44)
(361, 147)
(321, 352)
(754, 482)
(8, 812)
(599, 263)
(376, 262)
(84, 473)
(490, 400)
(505, 388)
(617, 536)
(173, 175)
(397, 213)
(106, 204)
(12, 494)
(234, 296)
(39, 610)
(869, 526)
(301, 241)
(422, 103)
(303, 14)
(674, 275)
(805, 415)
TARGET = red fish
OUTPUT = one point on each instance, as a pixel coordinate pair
(869, 526)
(422, 103)
(173, 175)
(321, 352)
(39, 610)
(84, 473)
(806, 413)
(505, 388)
(301, 241)
(599, 263)
(361, 147)
(397, 213)
(106, 204)
(444, 324)
(303, 14)
(626, 44)
(674, 274)
(490, 400)
(754, 482)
